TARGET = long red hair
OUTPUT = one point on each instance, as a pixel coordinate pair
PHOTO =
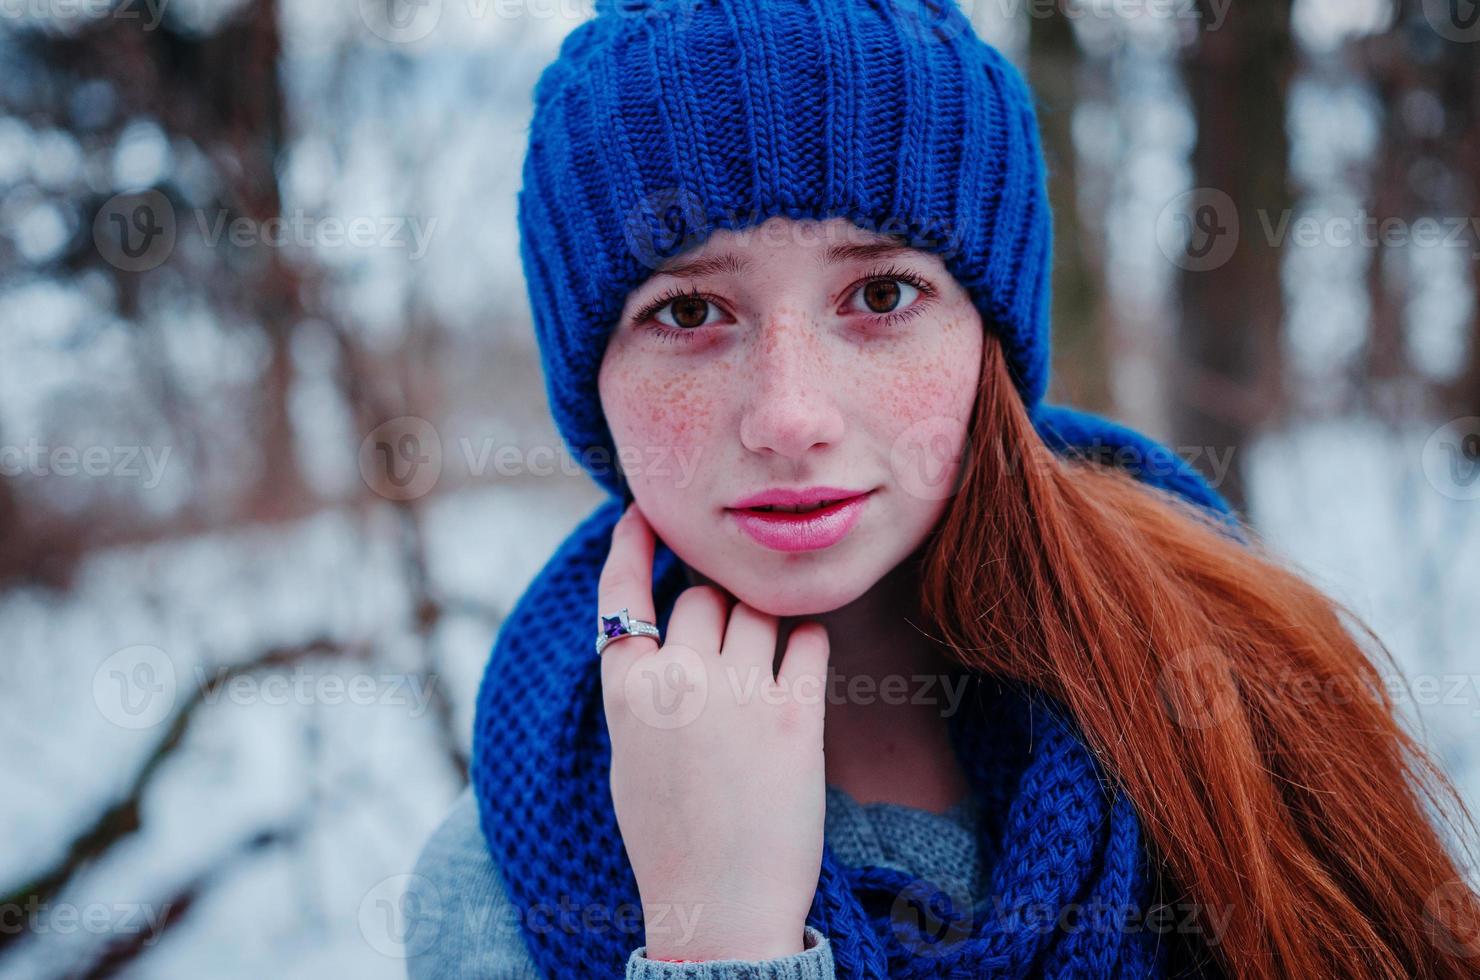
(1230, 698)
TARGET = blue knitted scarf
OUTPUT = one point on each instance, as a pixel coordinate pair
(1070, 878)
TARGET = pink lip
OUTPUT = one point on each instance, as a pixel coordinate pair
(785, 497)
(811, 531)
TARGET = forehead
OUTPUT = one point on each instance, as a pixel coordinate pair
(821, 243)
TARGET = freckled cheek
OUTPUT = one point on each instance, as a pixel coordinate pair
(665, 409)
(933, 386)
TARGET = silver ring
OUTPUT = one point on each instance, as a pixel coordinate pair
(614, 627)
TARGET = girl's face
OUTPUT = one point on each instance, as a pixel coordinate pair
(790, 356)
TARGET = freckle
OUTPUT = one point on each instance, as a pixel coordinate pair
(670, 406)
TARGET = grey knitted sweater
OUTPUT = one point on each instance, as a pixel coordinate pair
(471, 929)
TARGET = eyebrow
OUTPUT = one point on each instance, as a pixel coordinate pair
(863, 250)
(736, 265)
(707, 266)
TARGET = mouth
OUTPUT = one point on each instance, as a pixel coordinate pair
(796, 508)
(802, 526)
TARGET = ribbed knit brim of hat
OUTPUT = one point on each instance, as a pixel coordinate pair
(662, 121)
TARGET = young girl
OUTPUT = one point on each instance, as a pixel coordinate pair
(898, 670)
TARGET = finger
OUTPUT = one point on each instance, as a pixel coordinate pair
(804, 665)
(750, 639)
(627, 582)
(698, 619)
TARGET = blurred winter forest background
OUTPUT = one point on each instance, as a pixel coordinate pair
(254, 251)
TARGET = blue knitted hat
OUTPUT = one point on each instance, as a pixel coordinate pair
(664, 120)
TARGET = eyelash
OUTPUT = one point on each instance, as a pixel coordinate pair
(644, 317)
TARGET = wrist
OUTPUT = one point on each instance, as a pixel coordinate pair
(730, 944)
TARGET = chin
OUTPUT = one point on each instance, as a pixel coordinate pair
(774, 598)
(800, 586)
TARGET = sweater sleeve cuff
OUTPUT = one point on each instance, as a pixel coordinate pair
(815, 962)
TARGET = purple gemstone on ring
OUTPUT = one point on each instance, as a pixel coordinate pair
(612, 626)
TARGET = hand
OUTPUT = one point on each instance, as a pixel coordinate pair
(717, 772)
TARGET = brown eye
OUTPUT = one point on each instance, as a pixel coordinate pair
(685, 312)
(889, 296)
(881, 295)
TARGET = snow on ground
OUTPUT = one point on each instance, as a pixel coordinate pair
(339, 764)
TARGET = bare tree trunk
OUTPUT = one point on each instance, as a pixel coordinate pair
(1408, 64)
(1392, 75)
(1228, 364)
(256, 130)
(1079, 373)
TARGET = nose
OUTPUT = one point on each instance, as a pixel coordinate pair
(791, 409)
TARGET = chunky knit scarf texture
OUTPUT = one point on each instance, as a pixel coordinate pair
(1057, 835)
